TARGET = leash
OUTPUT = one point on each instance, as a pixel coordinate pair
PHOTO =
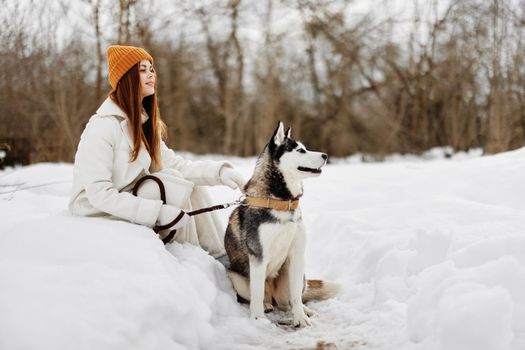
(172, 233)
(162, 189)
(268, 203)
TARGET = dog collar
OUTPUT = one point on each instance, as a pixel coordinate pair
(271, 203)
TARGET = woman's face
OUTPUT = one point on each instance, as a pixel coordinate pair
(147, 78)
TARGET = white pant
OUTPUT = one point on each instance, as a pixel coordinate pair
(205, 230)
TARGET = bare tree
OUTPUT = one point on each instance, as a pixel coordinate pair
(348, 85)
(229, 76)
(95, 18)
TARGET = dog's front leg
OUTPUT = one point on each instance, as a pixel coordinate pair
(257, 279)
(296, 271)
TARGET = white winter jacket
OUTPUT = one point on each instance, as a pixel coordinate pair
(103, 174)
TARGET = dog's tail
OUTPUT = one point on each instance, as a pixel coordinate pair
(319, 290)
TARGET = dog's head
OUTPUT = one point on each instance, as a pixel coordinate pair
(291, 157)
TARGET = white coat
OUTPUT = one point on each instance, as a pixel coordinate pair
(104, 176)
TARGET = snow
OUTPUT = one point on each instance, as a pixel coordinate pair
(429, 252)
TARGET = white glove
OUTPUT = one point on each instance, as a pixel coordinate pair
(231, 177)
(168, 213)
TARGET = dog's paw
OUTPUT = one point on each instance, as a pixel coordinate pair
(301, 321)
(261, 321)
(258, 316)
(309, 312)
(257, 310)
(268, 308)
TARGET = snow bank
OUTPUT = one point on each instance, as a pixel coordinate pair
(430, 255)
(439, 245)
(92, 283)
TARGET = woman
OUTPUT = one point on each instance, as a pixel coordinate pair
(123, 142)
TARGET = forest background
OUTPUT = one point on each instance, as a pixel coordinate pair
(370, 77)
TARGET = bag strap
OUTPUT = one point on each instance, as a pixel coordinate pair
(162, 190)
(157, 180)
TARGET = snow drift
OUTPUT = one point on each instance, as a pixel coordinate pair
(430, 255)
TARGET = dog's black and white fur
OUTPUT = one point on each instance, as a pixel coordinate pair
(265, 246)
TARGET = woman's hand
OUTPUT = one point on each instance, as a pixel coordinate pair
(231, 177)
(169, 213)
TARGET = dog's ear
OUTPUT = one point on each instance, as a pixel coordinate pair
(278, 134)
(289, 133)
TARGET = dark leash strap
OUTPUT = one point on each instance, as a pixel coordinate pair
(162, 189)
(157, 180)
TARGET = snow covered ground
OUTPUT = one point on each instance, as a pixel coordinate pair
(430, 255)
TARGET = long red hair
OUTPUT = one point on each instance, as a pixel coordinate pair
(127, 96)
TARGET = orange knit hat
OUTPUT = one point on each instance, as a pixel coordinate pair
(121, 59)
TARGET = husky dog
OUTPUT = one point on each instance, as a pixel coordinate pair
(265, 238)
